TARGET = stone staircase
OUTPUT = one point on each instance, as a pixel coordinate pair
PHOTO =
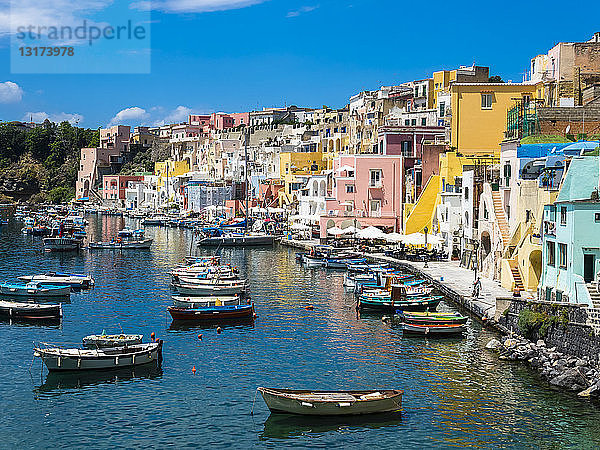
(501, 218)
(516, 274)
(594, 294)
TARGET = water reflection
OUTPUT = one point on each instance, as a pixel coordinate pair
(57, 383)
(289, 426)
(247, 324)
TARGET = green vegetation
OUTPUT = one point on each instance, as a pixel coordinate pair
(535, 321)
(545, 139)
(495, 79)
(41, 163)
(144, 158)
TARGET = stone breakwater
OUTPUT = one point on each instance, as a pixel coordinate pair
(559, 369)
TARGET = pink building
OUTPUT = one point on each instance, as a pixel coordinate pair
(116, 137)
(202, 120)
(113, 186)
(367, 190)
(240, 119)
(221, 121)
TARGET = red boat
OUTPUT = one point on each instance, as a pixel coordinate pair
(213, 313)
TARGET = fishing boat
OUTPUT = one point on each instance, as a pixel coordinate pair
(332, 403)
(342, 263)
(30, 311)
(417, 304)
(213, 313)
(75, 281)
(112, 340)
(63, 359)
(433, 318)
(155, 221)
(34, 289)
(200, 290)
(143, 244)
(205, 302)
(433, 329)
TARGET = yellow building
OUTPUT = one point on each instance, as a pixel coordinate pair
(169, 169)
(294, 164)
(479, 114)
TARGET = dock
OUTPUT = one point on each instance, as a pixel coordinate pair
(455, 282)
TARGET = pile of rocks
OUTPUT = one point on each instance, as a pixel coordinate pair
(575, 374)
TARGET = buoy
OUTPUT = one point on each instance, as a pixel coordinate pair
(310, 308)
(219, 330)
(194, 370)
(255, 315)
(200, 336)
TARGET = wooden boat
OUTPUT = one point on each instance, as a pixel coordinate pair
(211, 281)
(62, 244)
(34, 289)
(121, 245)
(61, 279)
(313, 261)
(342, 263)
(30, 311)
(112, 340)
(418, 304)
(200, 290)
(204, 302)
(332, 403)
(433, 318)
(155, 221)
(434, 330)
(63, 359)
(213, 313)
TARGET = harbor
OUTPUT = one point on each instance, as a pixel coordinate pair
(307, 334)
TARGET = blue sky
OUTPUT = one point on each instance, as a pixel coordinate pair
(238, 55)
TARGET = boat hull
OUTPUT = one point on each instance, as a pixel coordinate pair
(237, 241)
(61, 360)
(140, 245)
(30, 311)
(213, 314)
(434, 330)
(348, 404)
(41, 291)
(417, 305)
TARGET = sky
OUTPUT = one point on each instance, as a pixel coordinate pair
(204, 56)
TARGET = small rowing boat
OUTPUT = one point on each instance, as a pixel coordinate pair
(213, 313)
(34, 289)
(61, 279)
(112, 340)
(434, 330)
(332, 403)
(30, 311)
(143, 244)
(205, 302)
(202, 290)
(416, 304)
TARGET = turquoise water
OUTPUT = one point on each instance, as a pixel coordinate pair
(456, 392)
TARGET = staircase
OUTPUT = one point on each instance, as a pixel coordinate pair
(514, 269)
(594, 295)
(501, 218)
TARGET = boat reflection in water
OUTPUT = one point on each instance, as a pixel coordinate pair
(289, 426)
(60, 382)
(188, 326)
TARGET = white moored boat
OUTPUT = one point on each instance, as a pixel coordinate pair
(330, 403)
(209, 289)
(61, 244)
(205, 302)
(121, 245)
(61, 279)
(99, 359)
(34, 289)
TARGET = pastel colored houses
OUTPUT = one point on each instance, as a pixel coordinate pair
(570, 247)
(367, 190)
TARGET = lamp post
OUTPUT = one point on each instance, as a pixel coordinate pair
(475, 250)
(426, 255)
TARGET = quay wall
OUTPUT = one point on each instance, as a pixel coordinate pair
(571, 328)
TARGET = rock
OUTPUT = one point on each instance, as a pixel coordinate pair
(580, 363)
(552, 349)
(592, 391)
(511, 343)
(569, 379)
(540, 343)
(493, 344)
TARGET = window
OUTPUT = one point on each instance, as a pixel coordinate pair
(413, 122)
(424, 91)
(551, 253)
(486, 101)
(562, 256)
(552, 213)
(466, 192)
(407, 149)
(563, 215)
(375, 207)
(349, 189)
(597, 217)
(423, 121)
(375, 178)
(407, 122)
(416, 91)
(442, 109)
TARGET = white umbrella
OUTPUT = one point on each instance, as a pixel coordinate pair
(394, 237)
(350, 230)
(371, 233)
(435, 240)
(414, 239)
(335, 231)
(345, 168)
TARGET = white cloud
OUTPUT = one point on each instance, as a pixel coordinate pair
(303, 10)
(193, 6)
(40, 116)
(126, 116)
(10, 92)
(179, 114)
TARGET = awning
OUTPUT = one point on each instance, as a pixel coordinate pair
(345, 168)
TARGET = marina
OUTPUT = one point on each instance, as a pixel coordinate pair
(307, 335)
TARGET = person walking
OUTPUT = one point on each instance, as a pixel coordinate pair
(477, 288)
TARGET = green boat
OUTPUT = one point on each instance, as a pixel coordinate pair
(433, 319)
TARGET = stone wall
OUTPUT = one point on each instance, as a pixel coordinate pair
(568, 327)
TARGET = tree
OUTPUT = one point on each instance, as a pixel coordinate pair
(495, 79)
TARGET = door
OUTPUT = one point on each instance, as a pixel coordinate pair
(588, 268)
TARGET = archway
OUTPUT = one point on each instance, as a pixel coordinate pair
(486, 244)
(535, 261)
